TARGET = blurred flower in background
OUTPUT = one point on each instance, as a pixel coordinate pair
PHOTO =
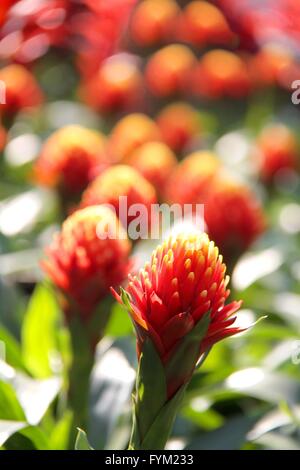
(82, 264)
(70, 158)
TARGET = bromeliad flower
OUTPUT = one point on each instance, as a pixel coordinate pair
(70, 158)
(234, 218)
(179, 124)
(155, 161)
(193, 178)
(116, 182)
(129, 133)
(177, 305)
(277, 152)
(21, 90)
(83, 264)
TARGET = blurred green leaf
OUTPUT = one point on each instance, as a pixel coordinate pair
(39, 332)
(82, 442)
(231, 436)
(31, 396)
(119, 323)
(111, 386)
(59, 437)
(8, 428)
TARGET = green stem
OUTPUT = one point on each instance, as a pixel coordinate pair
(84, 337)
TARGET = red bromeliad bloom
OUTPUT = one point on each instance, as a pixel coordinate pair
(153, 22)
(83, 264)
(179, 124)
(234, 217)
(120, 181)
(169, 69)
(221, 73)
(202, 24)
(184, 280)
(192, 178)
(129, 133)
(155, 161)
(21, 89)
(116, 86)
(276, 151)
(70, 158)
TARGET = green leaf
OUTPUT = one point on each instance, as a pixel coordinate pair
(13, 353)
(59, 437)
(82, 442)
(151, 387)
(119, 323)
(8, 428)
(231, 436)
(24, 396)
(39, 337)
(159, 432)
(182, 362)
(10, 409)
(36, 436)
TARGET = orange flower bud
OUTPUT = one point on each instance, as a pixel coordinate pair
(116, 86)
(192, 178)
(234, 217)
(130, 133)
(168, 70)
(179, 123)
(202, 23)
(155, 161)
(82, 264)
(21, 89)
(70, 158)
(221, 73)
(153, 22)
(116, 181)
(277, 150)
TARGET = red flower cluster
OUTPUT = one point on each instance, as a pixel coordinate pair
(276, 151)
(117, 181)
(184, 280)
(70, 159)
(83, 263)
(21, 90)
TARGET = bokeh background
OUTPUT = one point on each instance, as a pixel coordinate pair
(168, 101)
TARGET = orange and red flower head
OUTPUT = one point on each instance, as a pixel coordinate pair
(234, 217)
(120, 181)
(129, 133)
(153, 22)
(21, 89)
(184, 281)
(179, 124)
(70, 158)
(220, 74)
(83, 263)
(276, 151)
(202, 24)
(116, 86)
(155, 161)
(168, 70)
(192, 178)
